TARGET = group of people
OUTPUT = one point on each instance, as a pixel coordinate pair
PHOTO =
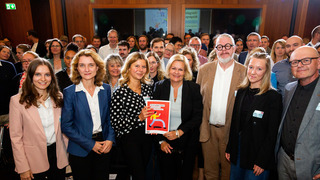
(239, 116)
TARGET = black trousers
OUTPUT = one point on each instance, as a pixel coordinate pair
(53, 173)
(180, 163)
(93, 166)
(136, 147)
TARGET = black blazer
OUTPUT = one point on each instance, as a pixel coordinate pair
(191, 108)
(41, 49)
(258, 136)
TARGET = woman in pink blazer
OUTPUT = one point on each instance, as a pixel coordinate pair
(38, 146)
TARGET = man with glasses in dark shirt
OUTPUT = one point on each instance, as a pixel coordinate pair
(298, 142)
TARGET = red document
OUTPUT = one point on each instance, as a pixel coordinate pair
(159, 121)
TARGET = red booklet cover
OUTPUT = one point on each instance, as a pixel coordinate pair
(159, 121)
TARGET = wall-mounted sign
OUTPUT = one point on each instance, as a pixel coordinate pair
(11, 6)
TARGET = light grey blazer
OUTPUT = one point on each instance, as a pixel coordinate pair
(307, 148)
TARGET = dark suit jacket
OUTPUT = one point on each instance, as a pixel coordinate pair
(191, 107)
(242, 57)
(307, 148)
(76, 120)
(258, 136)
(41, 49)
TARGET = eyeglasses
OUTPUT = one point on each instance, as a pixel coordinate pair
(304, 61)
(26, 61)
(169, 50)
(227, 47)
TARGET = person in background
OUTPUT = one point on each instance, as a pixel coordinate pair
(239, 47)
(143, 42)
(38, 146)
(96, 41)
(195, 43)
(187, 38)
(113, 66)
(5, 54)
(79, 40)
(64, 41)
(92, 48)
(21, 49)
(37, 45)
(123, 49)
(112, 47)
(133, 44)
(253, 41)
(315, 35)
(47, 44)
(265, 43)
(177, 42)
(317, 47)
(193, 61)
(169, 51)
(156, 72)
(278, 51)
(56, 55)
(63, 76)
(178, 147)
(205, 39)
(203, 51)
(253, 132)
(18, 80)
(129, 111)
(85, 117)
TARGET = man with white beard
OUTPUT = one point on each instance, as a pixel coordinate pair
(218, 81)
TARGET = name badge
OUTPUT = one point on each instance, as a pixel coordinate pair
(257, 114)
(318, 107)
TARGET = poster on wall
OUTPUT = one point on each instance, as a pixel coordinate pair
(192, 20)
(156, 20)
(159, 121)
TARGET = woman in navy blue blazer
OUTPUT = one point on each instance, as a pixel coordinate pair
(85, 117)
(255, 120)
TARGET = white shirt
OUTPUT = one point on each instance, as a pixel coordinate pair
(47, 119)
(220, 93)
(93, 102)
(104, 51)
(175, 109)
(34, 47)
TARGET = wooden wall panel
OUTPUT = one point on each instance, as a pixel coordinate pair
(15, 23)
(313, 18)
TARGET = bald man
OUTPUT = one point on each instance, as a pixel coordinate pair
(298, 140)
(282, 69)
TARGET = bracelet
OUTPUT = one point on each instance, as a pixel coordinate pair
(177, 133)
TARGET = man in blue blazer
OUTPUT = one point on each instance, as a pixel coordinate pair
(298, 141)
(253, 41)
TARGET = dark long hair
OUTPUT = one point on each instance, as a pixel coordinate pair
(30, 95)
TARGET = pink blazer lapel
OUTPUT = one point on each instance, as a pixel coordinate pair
(34, 115)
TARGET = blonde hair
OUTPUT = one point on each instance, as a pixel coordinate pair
(159, 68)
(132, 58)
(266, 84)
(192, 52)
(187, 69)
(112, 58)
(255, 50)
(282, 42)
(75, 75)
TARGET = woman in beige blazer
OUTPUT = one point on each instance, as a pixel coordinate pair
(38, 146)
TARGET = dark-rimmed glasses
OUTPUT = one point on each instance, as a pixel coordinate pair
(227, 47)
(304, 61)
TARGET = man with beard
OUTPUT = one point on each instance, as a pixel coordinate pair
(157, 46)
(253, 41)
(282, 69)
(96, 41)
(218, 84)
(123, 47)
(143, 44)
(112, 47)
